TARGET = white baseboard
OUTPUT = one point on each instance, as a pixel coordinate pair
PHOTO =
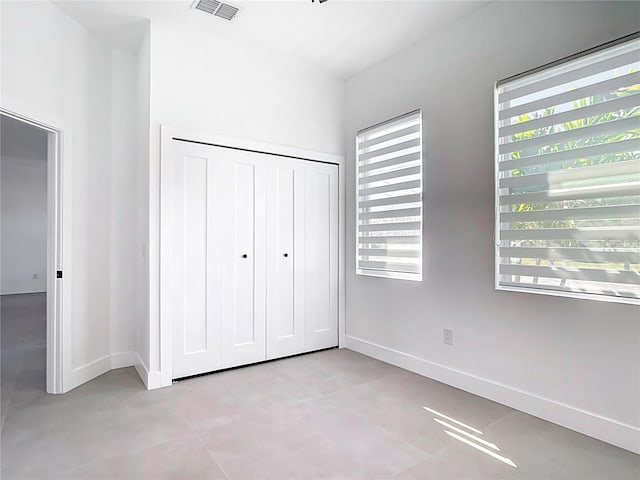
(89, 371)
(151, 380)
(85, 373)
(608, 430)
(123, 359)
(21, 292)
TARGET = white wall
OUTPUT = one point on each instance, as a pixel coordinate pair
(575, 362)
(23, 211)
(124, 232)
(215, 86)
(143, 87)
(55, 71)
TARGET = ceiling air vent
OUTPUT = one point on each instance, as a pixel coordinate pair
(214, 7)
(227, 11)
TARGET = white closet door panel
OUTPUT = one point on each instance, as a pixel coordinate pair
(244, 202)
(285, 259)
(321, 256)
(243, 226)
(195, 255)
(253, 248)
(194, 261)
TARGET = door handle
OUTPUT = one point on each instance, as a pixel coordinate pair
(245, 255)
(286, 255)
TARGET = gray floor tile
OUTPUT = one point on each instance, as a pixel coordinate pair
(187, 459)
(307, 442)
(332, 414)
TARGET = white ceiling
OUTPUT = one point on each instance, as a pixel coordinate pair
(342, 37)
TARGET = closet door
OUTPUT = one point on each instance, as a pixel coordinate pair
(285, 257)
(321, 256)
(193, 270)
(250, 256)
(242, 228)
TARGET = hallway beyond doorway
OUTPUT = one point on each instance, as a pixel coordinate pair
(23, 335)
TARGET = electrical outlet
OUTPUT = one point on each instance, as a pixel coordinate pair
(35, 276)
(448, 336)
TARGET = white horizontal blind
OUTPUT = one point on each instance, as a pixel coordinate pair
(568, 177)
(389, 199)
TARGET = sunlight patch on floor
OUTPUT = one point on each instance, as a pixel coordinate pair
(467, 438)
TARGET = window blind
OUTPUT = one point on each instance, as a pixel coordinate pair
(389, 199)
(568, 177)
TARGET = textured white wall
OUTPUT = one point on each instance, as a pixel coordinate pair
(23, 176)
(579, 354)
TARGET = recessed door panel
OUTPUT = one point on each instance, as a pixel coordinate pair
(195, 255)
(194, 306)
(283, 322)
(321, 257)
(285, 259)
(243, 316)
(244, 255)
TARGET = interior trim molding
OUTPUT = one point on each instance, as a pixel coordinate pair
(22, 292)
(123, 359)
(151, 380)
(606, 429)
(102, 365)
(89, 371)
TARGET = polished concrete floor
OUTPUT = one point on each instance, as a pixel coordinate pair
(333, 414)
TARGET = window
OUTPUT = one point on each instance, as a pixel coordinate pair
(389, 199)
(568, 177)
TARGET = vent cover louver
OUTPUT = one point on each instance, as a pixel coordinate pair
(227, 11)
(209, 6)
(214, 7)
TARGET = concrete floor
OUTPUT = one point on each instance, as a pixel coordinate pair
(333, 414)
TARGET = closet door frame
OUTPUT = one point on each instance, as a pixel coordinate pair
(159, 233)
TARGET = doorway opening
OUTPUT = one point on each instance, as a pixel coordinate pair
(30, 258)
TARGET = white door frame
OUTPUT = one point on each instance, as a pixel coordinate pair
(58, 289)
(167, 134)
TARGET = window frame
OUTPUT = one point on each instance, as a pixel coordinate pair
(601, 297)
